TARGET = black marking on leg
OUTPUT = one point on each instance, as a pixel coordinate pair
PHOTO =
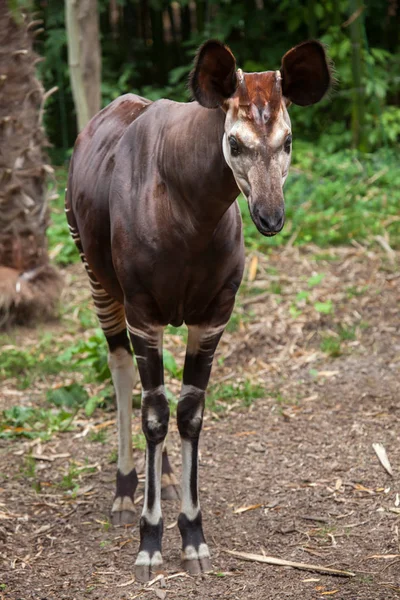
(149, 556)
(149, 362)
(151, 474)
(155, 417)
(194, 473)
(190, 415)
(122, 512)
(197, 367)
(119, 340)
(126, 484)
(191, 531)
(150, 536)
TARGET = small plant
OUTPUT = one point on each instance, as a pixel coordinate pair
(69, 481)
(31, 422)
(113, 456)
(331, 345)
(139, 441)
(347, 333)
(325, 308)
(99, 436)
(220, 396)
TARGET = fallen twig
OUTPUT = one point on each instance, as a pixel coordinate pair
(272, 560)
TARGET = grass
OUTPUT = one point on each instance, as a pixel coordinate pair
(220, 396)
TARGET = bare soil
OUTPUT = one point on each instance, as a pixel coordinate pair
(299, 461)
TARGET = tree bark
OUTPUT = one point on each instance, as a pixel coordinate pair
(84, 57)
(29, 286)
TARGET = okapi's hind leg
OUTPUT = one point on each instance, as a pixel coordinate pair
(111, 315)
(202, 343)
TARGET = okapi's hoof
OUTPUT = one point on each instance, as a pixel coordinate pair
(123, 511)
(123, 517)
(196, 561)
(170, 489)
(196, 566)
(145, 566)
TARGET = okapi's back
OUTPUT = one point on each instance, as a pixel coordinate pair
(92, 162)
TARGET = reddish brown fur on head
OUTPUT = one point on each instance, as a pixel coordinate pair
(257, 140)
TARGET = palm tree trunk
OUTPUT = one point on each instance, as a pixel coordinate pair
(29, 285)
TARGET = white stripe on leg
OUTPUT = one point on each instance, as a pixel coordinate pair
(153, 515)
(187, 507)
(123, 376)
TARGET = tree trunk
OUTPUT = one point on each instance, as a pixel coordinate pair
(84, 57)
(29, 286)
(358, 111)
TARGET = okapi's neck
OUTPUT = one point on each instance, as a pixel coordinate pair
(203, 183)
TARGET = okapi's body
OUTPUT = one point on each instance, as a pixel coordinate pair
(151, 207)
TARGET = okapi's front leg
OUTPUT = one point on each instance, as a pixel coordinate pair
(147, 345)
(202, 343)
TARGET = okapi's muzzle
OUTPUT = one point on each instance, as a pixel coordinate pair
(268, 222)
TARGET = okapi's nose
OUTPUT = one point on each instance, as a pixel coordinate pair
(269, 222)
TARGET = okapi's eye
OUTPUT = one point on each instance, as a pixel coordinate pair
(287, 144)
(235, 148)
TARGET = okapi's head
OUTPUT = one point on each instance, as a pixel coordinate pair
(257, 143)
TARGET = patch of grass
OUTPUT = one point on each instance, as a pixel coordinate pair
(32, 422)
(347, 333)
(99, 436)
(220, 396)
(139, 441)
(70, 479)
(113, 456)
(353, 291)
(331, 345)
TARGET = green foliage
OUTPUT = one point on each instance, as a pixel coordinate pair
(31, 423)
(89, 356)
(146, 53)
(220, 396)
(68, 396)
(331, 345)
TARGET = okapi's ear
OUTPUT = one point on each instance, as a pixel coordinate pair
(306, 76)
(213, 78)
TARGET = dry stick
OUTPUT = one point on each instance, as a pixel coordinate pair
(271, 560)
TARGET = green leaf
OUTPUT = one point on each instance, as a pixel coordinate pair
(315, 279)
(71, 396)
(325, 308)
(170, 363)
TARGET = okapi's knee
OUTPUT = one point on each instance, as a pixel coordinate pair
(190, 414)
(155, 416)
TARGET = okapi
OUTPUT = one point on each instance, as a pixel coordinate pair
(151, 205)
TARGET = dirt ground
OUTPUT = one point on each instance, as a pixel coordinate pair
(299, 462)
